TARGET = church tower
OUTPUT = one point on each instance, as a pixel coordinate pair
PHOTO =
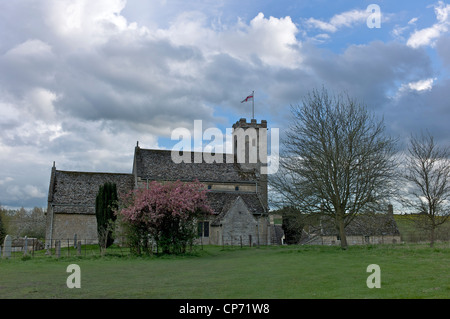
(250, 151)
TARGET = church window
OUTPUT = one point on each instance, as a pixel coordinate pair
(203, 229)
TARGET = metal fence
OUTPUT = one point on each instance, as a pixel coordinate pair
(58, 248)
(23, 248)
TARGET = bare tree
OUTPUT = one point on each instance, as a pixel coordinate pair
(428, 175)
(23, 222)
(337, 160)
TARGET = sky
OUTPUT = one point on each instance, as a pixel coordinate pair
(82, 81)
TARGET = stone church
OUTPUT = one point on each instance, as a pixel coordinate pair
(237, 191)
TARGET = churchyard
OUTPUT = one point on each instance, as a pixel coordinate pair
(406, 271)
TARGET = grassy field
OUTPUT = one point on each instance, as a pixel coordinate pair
(288, 272)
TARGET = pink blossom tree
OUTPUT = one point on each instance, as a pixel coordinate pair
(166, 213)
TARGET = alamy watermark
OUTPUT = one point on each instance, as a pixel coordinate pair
(374, 19)
(74, 279)
(248, 145)
(374, 280)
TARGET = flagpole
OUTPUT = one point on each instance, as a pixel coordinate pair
(253, 105)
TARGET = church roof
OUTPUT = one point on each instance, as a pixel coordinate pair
(75, 192)
(158, 165)
(221, 202)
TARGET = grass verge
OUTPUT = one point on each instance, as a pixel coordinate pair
(275, 272)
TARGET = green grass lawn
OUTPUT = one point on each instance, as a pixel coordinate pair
(407, 271)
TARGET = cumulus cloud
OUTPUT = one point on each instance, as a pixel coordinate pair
(428, 36)
(85, 22)
(399, 30)
(82, 81)
(34, 49)
(29, 191)
(6, 180)
(339, 21)
(270, 40)
(415, 87)
(421, 85)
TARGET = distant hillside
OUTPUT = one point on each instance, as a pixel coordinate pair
(410, 233)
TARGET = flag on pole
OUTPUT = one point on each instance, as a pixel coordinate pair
(248, 98)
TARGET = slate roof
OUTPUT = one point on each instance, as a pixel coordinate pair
(75, 192)
(221, 202)
(158, 165)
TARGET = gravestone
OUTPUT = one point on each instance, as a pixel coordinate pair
(79, 248)
(75, 241)
(58, 248)
(48, 252)
(25, 245)
(7, 247)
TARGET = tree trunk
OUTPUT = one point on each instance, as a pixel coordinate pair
(341, 227)
(343, 236)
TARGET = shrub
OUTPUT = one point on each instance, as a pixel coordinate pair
(164, 214)
(105, 206)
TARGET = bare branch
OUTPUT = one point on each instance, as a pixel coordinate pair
(337, 160)
(428, 173)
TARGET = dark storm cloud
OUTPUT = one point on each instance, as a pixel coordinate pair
(131, 83)
(443, 49)
(371, 72)
(29, 64)
(418, 112)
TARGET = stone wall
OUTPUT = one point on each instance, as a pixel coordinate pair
(67, 225)
(358, 240)
(215, 186)
(71, 202)
(238, 226)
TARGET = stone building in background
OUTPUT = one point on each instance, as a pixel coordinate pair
(237, 191)
(363, 229)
